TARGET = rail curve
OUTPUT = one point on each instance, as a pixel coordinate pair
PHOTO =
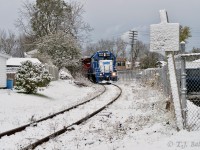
(23, 127)
(70, 127)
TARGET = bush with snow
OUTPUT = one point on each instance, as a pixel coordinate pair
(30, 76)
(64, 74)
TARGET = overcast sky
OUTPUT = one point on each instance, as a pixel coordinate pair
(112, 18)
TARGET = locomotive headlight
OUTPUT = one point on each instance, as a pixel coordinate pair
(114, 73)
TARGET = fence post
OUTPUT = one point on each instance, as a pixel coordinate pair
(183, 86)
(175, 91)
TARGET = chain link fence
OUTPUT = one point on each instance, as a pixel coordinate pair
(179, 80)
(128, 75)
(188, 73)
(157, 77)
(186, 101)
(152, 76)
(53, 70)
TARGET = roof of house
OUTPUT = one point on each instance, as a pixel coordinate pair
(121, 59)
(18, 61)
(4, 55)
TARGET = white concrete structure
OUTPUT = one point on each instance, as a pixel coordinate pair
(3, 77)
(163, 16)
(164, 36)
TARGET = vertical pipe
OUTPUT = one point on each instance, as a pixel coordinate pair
(183, 86)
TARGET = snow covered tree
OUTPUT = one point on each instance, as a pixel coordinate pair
(63, 50)
(57, 28)
(45, 17)
(30, 76)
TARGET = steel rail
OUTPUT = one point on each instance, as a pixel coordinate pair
(70, 127)
(23, 127)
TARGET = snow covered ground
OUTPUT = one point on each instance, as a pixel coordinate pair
(138, 120)
(17, 108)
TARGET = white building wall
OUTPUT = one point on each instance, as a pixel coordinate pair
(3, 72)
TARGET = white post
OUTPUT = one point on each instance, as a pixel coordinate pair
(163, 16)
(175, 92)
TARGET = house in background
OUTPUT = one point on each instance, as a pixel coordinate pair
(14, 63)
(3, 77)
(121, 63)
(124, 64)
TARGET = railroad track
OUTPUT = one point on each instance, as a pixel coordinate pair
(70, 125)
(23, 127)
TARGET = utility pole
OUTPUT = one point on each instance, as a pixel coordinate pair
(133, 35)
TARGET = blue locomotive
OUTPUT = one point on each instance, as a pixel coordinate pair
(102, 67)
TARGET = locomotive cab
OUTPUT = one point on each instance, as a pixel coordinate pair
(103, 67)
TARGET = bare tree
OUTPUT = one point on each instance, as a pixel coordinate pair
(107, 45)
(91, 49)
(23, 23)
(120, 48)
(141, 49)
(101, 45)
(7, 41)
(74, 22)
(10, 44)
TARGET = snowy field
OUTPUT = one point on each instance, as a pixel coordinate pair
(138, 120)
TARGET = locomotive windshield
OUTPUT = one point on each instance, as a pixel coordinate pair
(104, 54)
